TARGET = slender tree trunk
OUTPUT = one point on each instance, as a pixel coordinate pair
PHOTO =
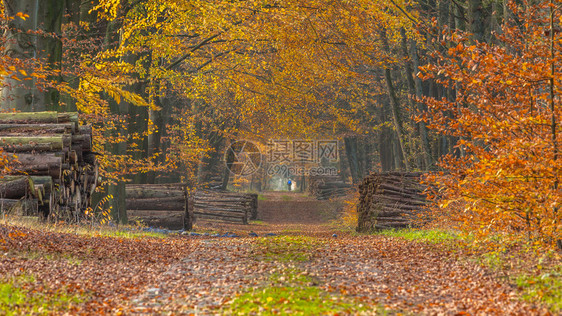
(34, 38)
(351, 154)
(476, 19)
(415, 86)
(21, 43)
(553, 122)
(396, 117)
(118, 203)
(386, 155)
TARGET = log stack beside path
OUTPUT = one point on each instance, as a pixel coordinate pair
(391, 200)
(225, 206)
(327, 187)
(159, 205)
(174, 206)
(51, 166)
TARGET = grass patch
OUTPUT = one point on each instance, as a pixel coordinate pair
(538, 278)
(124, 231)
(294, 293)
(432, 236)
(129, 233)
(285, 248)
(262, 197)
(16, 299)
(538, 275)
(286, 197)
(545, 287)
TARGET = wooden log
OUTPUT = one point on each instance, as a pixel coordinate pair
(7, 204)
(188, 217)
(226, 213)
(36, 164)
(150, 192)
(238, 205)
(84, 142)
(36, 129)
(240, 220)
(33, 143)
(36, 159)
(391, 225)
(217, 210)
(15, 188)
(66, 117)
(29, 117)
(23, 207)
(159, 213)
(389, 212)
(381, 219)
(406, 200)
(86, 130)
(172, 203)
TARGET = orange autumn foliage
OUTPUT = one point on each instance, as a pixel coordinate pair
(506, 171)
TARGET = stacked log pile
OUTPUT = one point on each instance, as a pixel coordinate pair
(159, 205)
(325, 188)
(172, 206)
(390, 200)
(225, 206)
(51, 167)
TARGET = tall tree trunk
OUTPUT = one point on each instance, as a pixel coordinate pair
(36, 37)
(476, 19)
(118, 203)
(396, 117)
(412, 65)
(353, 160)
(17, 93)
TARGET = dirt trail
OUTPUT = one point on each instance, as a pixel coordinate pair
(202, 274)
(399, 275)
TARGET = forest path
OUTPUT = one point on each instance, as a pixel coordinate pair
(298, 268)
(349, 275)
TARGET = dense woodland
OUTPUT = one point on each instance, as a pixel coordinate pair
(466, 88)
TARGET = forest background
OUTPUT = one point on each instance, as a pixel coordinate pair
(466, 89)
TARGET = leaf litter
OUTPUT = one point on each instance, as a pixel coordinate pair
(203, 274)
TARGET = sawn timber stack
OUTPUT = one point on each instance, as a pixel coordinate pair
(52, 154)
(327, 187)
(159, 205)
(174, 206)
(391, 200)
(225, 206)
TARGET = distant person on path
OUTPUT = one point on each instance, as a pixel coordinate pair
(289, 183)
